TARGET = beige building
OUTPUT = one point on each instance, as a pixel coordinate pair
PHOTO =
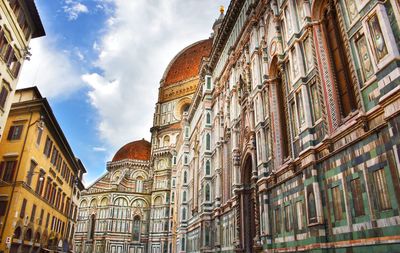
(40, 179)
(19, 23)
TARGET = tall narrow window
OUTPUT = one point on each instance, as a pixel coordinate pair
(208, 118)
(337, 203)
(340, 63)
(356, 194)
(23, 207)
(139, 184)
(3, 97)
(136, 229)
(185, 177)
(9, 170)
(184, 196)
(33, 213)
(30, 173)
(207, 192)
(208, 142)
(380, 190)
(183, 214)
(312, 211)
(208, 167)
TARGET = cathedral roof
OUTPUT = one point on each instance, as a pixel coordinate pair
(186, 64)
(136, 150)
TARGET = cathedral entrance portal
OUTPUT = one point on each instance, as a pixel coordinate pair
(247, 209)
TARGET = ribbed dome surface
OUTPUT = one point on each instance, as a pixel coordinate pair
(187, 63)
(136, 150)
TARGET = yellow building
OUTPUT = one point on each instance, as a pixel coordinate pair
(39, 176)
(19, 23)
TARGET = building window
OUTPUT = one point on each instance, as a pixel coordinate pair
(185, 177)
(312, 210)
(208, 168)
(39, 135)
(356, 194)
(207, 193)
(377, 38)
(139, 184)
(7, 170)
(30, 173)
(183, 214)
(3, 97)
(23, 207)
(136, 229)
(208, 83)
(47, 147)
(184, 196)
(380, 190)
(33, 213)
(208, 142)
(208, 118)
(294, 118)
(15, 132)
(337, 203)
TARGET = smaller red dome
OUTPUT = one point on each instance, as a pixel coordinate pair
(136, 150)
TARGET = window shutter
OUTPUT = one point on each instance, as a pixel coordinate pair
(10, 133)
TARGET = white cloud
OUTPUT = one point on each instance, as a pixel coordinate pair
(99, 149)
(141, 37)
(50, 69)
(74, 8)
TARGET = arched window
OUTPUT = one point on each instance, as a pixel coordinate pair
(172, 197)
(207, 192)
(158, 201)
(185, 177)
(28, 235)
(136, 229)
(312, 212)
(208, 118)
(184, 196)
(83, 204)
(93, 203)
(166, 141)
(139, 184)
(208, 167)
(208, 142)
(92, 226)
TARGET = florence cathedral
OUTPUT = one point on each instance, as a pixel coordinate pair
(279, 133)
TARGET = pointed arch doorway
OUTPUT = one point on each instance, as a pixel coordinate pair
(247, 204)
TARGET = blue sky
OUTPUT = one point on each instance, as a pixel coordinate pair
(100, 64)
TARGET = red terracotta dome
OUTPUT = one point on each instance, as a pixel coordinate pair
(186, 64)
(136, 150)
